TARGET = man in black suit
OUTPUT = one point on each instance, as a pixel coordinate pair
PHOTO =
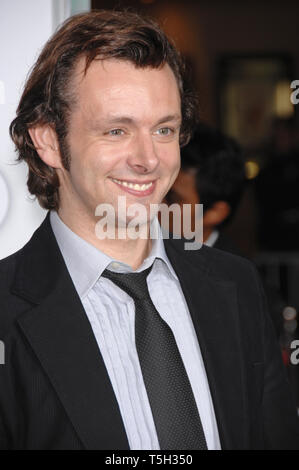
(125, 343)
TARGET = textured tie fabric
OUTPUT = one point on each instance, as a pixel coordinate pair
(174, 409)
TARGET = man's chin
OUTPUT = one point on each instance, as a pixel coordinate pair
(126, 220)
(131, 222)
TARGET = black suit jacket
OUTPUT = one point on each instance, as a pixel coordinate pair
(55, 392)
(276, 302)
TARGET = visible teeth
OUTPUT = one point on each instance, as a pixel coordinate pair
(137, 187)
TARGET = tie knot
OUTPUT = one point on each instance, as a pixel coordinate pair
(134, 284)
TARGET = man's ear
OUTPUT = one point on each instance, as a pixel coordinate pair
(45, 141)
(216, 214)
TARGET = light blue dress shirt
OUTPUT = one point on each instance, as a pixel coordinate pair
(111, 315)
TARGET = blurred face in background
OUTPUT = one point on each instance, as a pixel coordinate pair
(184, 191)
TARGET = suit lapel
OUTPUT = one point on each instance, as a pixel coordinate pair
(214, 310)
(60, 334)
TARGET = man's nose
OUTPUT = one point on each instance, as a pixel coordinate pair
(143, 157)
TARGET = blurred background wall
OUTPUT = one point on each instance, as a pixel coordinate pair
(24, 28)
(204, 30)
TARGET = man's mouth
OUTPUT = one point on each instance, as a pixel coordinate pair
(141, 189)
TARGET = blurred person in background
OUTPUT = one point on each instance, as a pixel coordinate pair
(213, 174)
(277, 195)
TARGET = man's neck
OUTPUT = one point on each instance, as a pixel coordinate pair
(127, 250)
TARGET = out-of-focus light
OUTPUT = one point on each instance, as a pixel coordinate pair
(147, 1)
(252, 169)
(289, 313)
(283, 106)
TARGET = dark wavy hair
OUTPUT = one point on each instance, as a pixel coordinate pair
(48, 94)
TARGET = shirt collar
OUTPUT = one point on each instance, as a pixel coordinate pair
(86, 263)
(211, 240)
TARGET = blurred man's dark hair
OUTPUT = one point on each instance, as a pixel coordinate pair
(218, 163)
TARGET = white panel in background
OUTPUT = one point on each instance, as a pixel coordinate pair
(61, 11)
(79, 6)
(24, 27)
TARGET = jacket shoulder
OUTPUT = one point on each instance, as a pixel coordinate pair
(7, 270)
(228, 265)
(10, 305)
(214, 262)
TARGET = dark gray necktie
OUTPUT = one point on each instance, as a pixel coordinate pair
(172, 402)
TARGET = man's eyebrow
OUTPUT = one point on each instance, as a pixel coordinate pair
(170, 118)
(129, 120)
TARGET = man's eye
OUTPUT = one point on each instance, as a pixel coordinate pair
(165, 131)
(116, 132)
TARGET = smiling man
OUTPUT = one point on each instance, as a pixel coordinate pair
(125, 343)
(123, 140)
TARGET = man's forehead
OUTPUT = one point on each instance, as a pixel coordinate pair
(108, 71)
(122, 92)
